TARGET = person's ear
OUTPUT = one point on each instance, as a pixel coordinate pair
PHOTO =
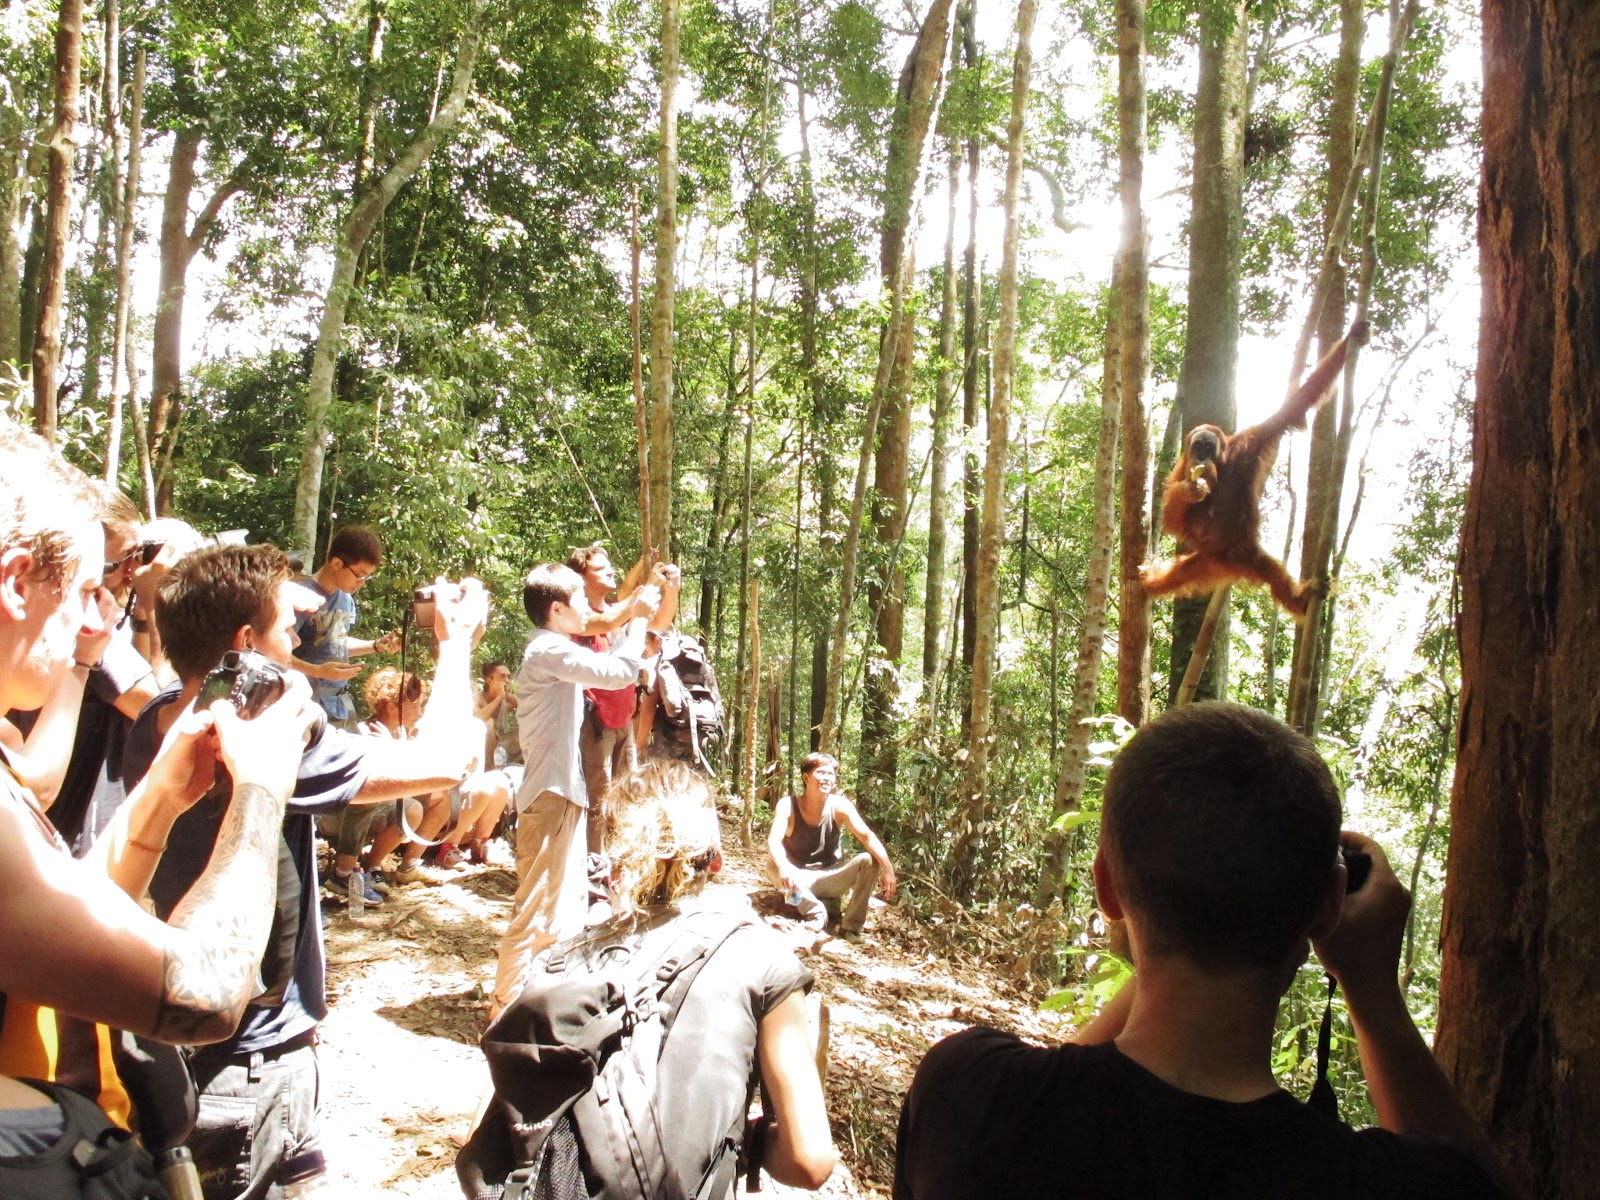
(16, 565)
(244, 638)
(1105, 889)
(1330, 904)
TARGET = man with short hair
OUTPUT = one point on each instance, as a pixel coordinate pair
(552, 846)
(1220, 847)
(75, 946)
(260, 1090)
(324, 653)
(806, 858)
(606, 738)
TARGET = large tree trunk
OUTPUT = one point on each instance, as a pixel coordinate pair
(821, 414)
(661, 313)
(127, 187)
(53, 285)
(973, 812)
(1211, 339)
(358, 226)
(1521, 928)
(913, 117)
(1133, 364)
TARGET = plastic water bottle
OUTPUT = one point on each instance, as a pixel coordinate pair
(356, 891)
(305, 1177)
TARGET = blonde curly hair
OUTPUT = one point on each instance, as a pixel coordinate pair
(662, 835)
(386, 685)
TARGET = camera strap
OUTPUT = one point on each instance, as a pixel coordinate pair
(1322, 1099)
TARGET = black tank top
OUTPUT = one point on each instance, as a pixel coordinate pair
(812, 846)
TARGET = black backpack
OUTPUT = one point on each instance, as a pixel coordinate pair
(575, 1067)
(688, 724)
(92, 1159)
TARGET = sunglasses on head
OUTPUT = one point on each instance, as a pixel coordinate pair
(145, 552)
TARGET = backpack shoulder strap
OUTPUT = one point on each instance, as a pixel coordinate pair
(619, 1122)
(92, 1158)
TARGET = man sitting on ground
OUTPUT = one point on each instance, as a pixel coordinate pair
(805, 851)
(1220, 848)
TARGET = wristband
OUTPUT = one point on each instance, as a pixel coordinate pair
(84, 665)
(146, 846)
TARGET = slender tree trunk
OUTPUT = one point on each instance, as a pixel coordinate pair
(1521, 925)
(53, 284)
(1330, 324)
(1305, 681)
(971, 304)
(1211, 340)
(913, 118)
(358, 226)
(1133, 364)
(13, 187)
(974, 808)
(127, 204)
(1073, 766)
(661, 317)
(749, 761)
(943, 401)
(641, 409)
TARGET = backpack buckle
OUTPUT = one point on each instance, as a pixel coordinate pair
(638, 1005)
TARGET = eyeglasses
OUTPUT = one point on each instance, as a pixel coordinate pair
(361, 576)
(145, 552)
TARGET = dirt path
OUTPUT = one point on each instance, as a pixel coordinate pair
(407, 987)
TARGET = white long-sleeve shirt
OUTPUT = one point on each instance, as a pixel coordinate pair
(555, 670)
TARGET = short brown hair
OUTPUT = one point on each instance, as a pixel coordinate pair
(581, 559)
(815, 759)
(1221, 828)
(209, 596)
(42, 498)
(355, 544)
(544, 586)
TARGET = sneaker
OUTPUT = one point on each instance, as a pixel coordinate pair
(334, 889)
(479, 852)
(377, 882)
(369, 894)
(450, 858)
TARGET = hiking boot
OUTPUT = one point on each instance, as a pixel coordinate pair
(414, 870)
(478, 851)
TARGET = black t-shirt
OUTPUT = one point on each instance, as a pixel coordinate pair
(331, 774)
(989, 1115)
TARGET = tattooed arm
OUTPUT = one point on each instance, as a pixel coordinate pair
(72, 940)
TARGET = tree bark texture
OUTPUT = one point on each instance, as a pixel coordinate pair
(914, 107)
(1211, 339)
(973, 812)
(1132, 300)
(661, 313)
(13, 187)
(53, 282)
(1521, 925)
(367, 210)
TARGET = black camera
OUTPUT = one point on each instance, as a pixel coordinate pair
(252, 682)
(1357, 866)
(424, 607)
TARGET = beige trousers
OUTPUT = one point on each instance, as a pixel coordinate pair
(552, 889)
(857, 878)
